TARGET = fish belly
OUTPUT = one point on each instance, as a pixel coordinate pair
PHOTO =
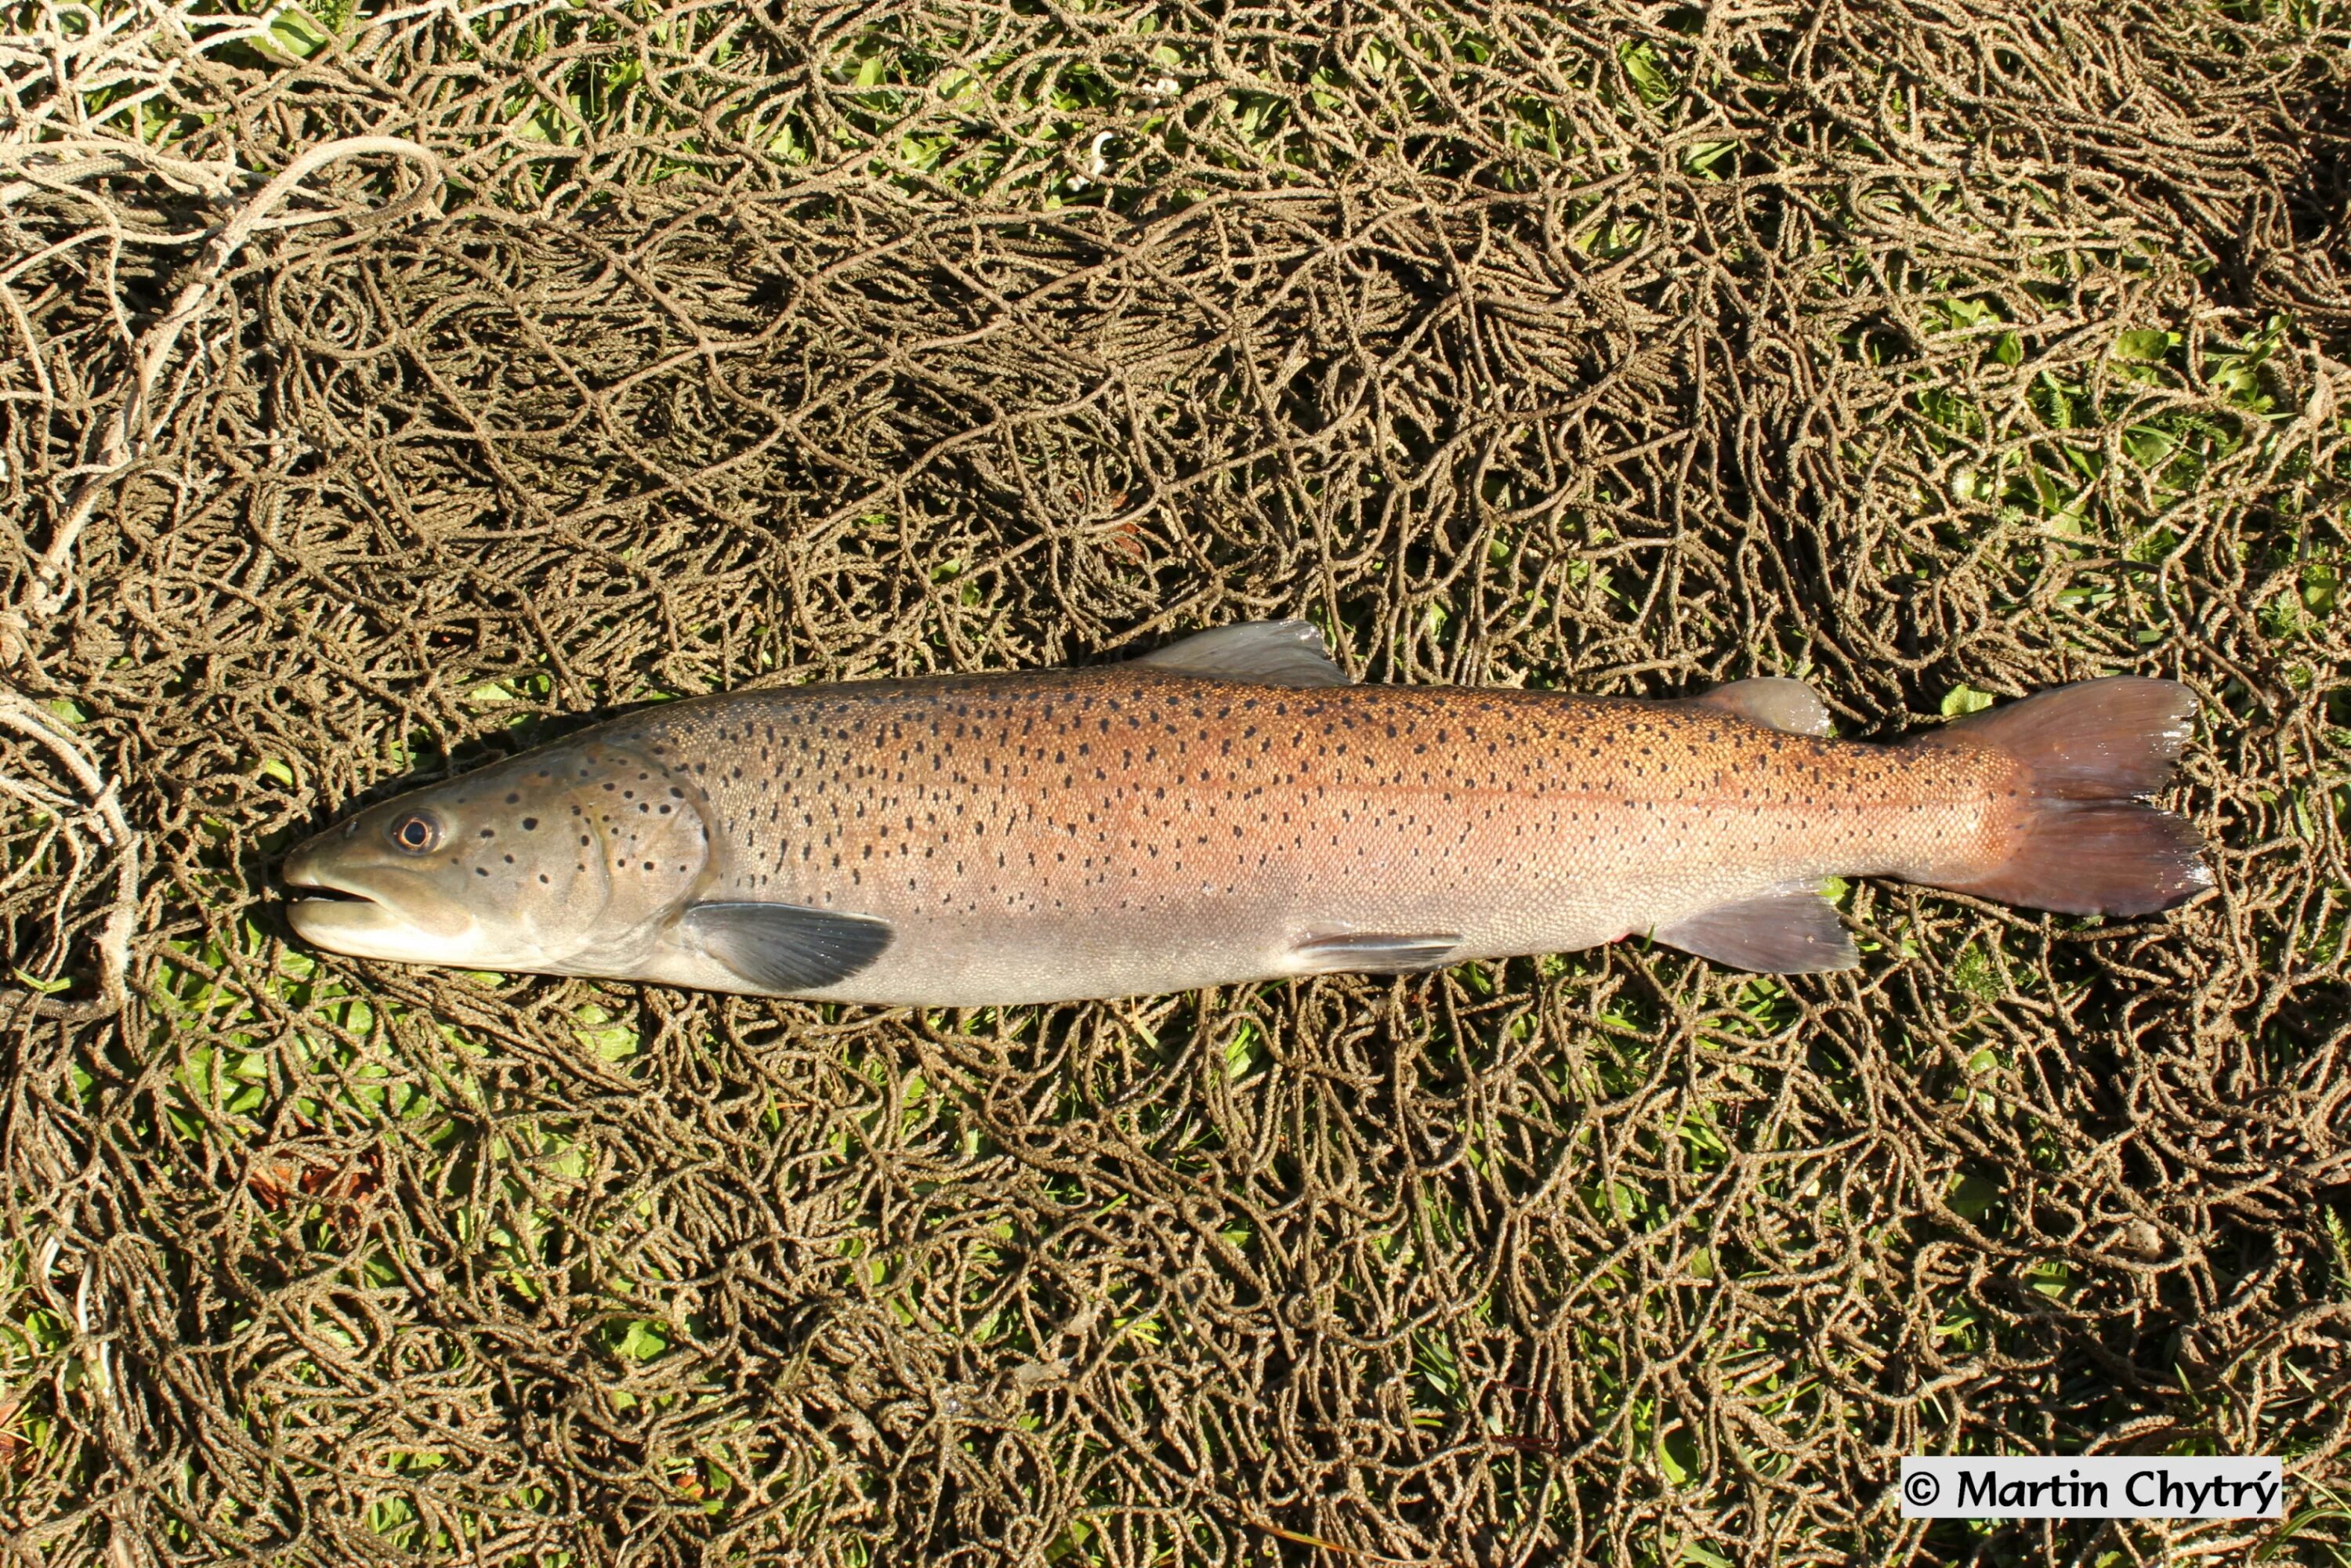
(1270, 931)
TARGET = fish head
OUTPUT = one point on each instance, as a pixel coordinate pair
(567, 858)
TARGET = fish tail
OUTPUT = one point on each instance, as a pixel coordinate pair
(2085, 839)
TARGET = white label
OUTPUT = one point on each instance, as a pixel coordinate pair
(2102, 1486)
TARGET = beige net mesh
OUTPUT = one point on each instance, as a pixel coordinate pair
(383, 392)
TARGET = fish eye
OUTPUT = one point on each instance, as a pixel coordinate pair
(419, 832)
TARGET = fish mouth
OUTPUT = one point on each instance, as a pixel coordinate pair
(321, 892)
(339, 911)
(302, 870)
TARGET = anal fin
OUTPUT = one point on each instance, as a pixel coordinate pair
(787, 948)
(1789, 933)
(1374, 952)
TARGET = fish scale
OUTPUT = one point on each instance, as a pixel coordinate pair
(1151, 827)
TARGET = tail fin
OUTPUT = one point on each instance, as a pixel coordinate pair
(2086, 842)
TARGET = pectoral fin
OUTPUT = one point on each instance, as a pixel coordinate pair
(1773, 701)
(786, 947)
(1264, 652)
(1791, 933)
(1374, 952)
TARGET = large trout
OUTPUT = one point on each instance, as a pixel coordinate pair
(1230, 809)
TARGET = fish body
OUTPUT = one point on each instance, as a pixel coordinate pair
(1152, 827)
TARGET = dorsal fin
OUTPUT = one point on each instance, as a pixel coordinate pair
(1773, 701)
(1263, 653)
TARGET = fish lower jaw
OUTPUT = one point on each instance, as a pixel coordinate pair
(362, 928)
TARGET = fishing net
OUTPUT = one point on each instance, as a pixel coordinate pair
(384, 390)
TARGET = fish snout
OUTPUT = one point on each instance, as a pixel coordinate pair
(311, 865)
(339, 897)
(297, 870)
(384, 917)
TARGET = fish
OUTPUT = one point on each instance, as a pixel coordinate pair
(1232, 809)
